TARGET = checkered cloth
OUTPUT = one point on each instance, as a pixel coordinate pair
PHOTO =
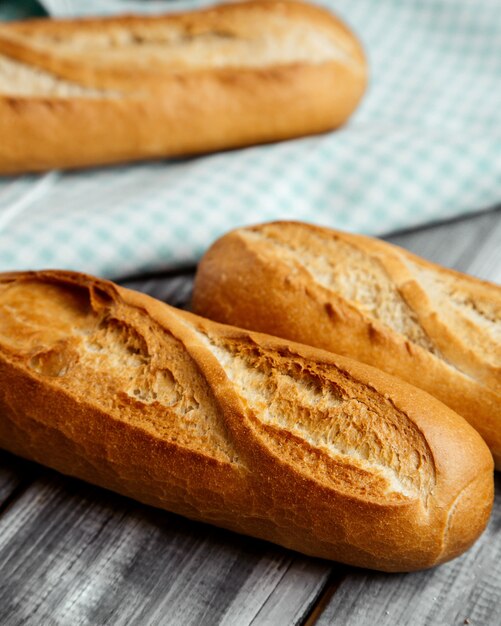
(425, 145)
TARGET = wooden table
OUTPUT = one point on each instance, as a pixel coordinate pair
(73, 554)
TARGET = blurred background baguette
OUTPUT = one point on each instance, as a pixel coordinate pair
(85, 92)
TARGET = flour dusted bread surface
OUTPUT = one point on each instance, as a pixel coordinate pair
(372, 301)
(142, 87)
(256, 434)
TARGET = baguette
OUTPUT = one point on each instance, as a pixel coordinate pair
(369, 300)
(77, 93)
(277, 440)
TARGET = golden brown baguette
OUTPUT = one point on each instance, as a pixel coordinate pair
(256, 434)
(85, 92)
(367, 299)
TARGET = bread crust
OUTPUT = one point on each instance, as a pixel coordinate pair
(140, 110)
(263, 279)
(91, 385)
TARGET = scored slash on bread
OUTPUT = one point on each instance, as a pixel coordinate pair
(367, 299)
(84, 92)
(259, 435)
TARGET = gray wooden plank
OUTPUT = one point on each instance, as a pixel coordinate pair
(471, 245)
(300, 583)
(176, 290)
(14, 473)
(9, 481)
(74, 554)
(468, 588)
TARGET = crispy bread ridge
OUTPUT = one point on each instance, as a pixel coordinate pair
(87, 92)
(367, 299)
(253, 433)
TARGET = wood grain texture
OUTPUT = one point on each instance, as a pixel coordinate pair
(14, 474)
(471, 245)
(172, 288)
(75, 554)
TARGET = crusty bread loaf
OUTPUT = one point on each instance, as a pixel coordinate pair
(285, 442)
(85, 92)
(367, 299)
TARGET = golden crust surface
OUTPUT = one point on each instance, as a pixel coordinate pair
(364, 298)
(278, 440)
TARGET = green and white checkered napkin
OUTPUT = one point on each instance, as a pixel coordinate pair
(425, 145)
